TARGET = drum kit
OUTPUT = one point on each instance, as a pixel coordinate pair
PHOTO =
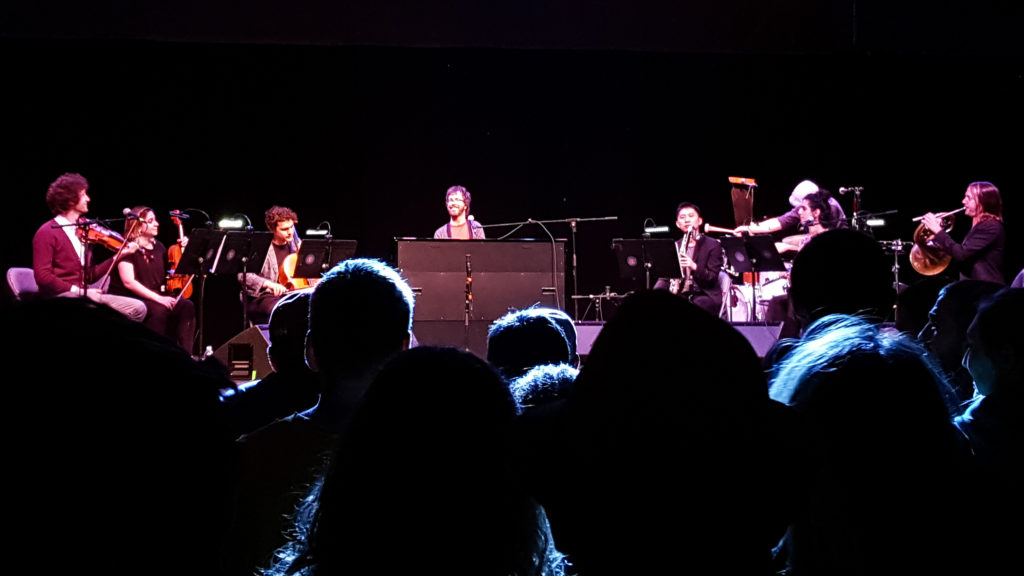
(748, 302)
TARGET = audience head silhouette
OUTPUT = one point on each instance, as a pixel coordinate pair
(821, 283)
(360, 314)
(526, 338)
(422, 478)
(880, 414)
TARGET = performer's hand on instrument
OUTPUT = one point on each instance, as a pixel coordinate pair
(94, 294)
(741, 230)
(932, 222)
(167, 301)
(687, 262)
(277, 289)
(183, 241)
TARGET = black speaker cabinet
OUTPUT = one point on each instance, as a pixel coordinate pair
(245, 354)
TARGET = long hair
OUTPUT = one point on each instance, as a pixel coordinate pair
(988, 198)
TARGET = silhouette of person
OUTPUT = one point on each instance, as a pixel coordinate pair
(459, 507)
(360, 315)
(879, 499)
(137, 425)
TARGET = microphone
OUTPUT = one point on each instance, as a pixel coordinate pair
(179, 215)
(851, 189)
(129, 214)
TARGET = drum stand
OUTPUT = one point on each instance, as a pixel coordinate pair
(895, 247)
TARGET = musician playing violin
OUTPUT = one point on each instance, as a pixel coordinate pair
(263, 289)
(143, 274)
(700, 260)
(62, 260)
(980, 255)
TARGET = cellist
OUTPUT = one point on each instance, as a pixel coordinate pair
(264, 289)
(142, 275)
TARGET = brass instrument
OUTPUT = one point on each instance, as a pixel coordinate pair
(925, 257)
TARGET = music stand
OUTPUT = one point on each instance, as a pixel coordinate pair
(752, 254)
(657, 257)
(242, 253)
(318, 255)
(196, 259)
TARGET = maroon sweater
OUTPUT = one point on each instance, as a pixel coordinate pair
(56, 263)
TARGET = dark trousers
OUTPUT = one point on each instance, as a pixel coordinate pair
(258, 309)
(177, 324)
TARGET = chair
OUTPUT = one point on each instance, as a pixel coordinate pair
(22, 282)
(725, 284)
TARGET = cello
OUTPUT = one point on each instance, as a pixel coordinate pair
(177, 284)
(286, 271)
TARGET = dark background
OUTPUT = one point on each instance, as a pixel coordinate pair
(361, 115)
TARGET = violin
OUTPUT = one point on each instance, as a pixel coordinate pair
(96, 234)
(179, 284)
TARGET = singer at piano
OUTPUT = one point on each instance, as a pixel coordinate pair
(700, 260)
(791, 220)
(461, 225)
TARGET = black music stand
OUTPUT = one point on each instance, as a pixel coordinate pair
(657, 257)
(196, 259)
(752, 254)
(242, 253)
(318, 255)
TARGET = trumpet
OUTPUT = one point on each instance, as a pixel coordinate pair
(710, 228)
(942, 215)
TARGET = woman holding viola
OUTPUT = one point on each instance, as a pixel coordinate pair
(142, 275)
(62, 257)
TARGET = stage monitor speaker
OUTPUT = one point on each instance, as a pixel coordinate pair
(586, 333)
(760, 336)
(245, 355)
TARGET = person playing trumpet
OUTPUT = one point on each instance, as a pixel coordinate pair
(980, 255)
(700, 260)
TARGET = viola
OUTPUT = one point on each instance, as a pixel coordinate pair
(178, 284)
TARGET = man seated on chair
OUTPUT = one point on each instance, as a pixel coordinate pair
(62, 262)
(700, 260)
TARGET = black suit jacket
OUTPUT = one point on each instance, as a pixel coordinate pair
(710, 260)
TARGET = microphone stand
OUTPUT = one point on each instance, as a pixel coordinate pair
(245, 273)
(201, 285)
(572, 224)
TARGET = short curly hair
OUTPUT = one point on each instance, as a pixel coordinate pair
(64, 192)
(277, 214)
